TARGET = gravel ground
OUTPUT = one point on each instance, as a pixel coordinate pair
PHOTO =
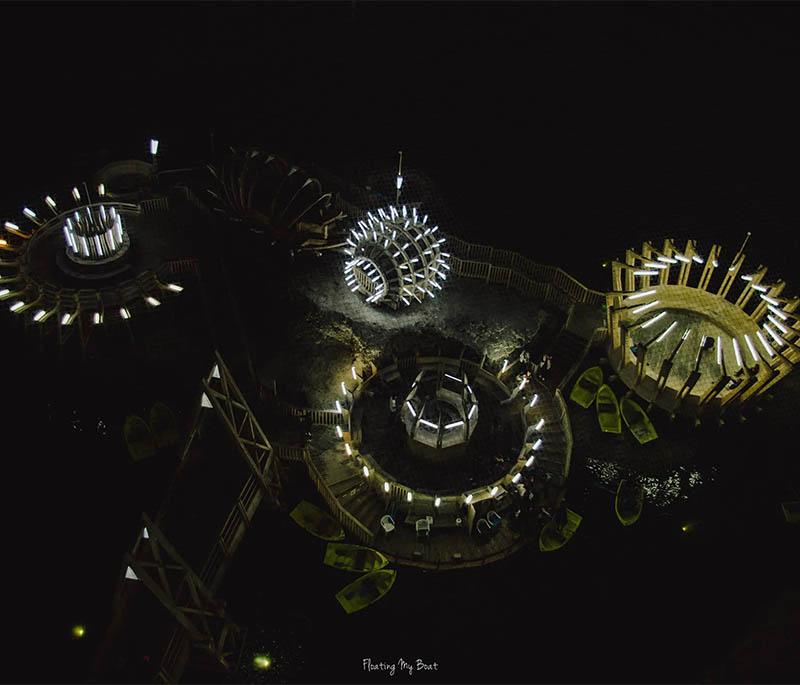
(335, 326)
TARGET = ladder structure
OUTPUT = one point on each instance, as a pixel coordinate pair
(224, 396)
(155, 563)
(200, 619)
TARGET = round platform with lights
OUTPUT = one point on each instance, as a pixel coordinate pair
(86, 261)
(471, 489)
(694, 337)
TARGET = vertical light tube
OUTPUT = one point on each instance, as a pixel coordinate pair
(737, 352)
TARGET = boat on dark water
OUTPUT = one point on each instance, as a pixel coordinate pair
(138, 438)
(637, 421)
(365, 590)
(586, 387)
(557, 533)
(317, 522)
(608, 410)
(629, 501)
(353, 557)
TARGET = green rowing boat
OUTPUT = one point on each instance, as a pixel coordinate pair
(628, 502)
(317, 522)
(366, 590)
(608, 410)
(353, 557)
(636, 419)
(585, 388)
(552, 538)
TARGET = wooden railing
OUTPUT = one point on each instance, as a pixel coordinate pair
(351, 524)
(184, 265)
(154, 205)
(511, 269)
(289, 453)
(319, 417)
(566, 428)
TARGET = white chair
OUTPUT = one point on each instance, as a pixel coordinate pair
(423, 527)
(387, 523)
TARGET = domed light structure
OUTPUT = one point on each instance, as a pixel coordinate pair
(395, 257)
(708, 349)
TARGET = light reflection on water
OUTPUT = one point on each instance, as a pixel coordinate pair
(660, 491)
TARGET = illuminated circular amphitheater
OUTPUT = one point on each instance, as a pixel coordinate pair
(419, 474)
(694, 335)
(85, 259)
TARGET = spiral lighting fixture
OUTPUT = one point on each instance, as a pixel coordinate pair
(395, 257)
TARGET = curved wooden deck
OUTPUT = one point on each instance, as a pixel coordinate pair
(359, 502)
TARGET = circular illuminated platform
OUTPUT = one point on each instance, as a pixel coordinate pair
(84, 260)
(477, 505)
(694, 337)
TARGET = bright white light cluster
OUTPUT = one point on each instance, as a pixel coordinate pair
(395, 257)
(94, 233)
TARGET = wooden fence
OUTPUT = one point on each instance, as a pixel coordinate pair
(511, 269)
(351, 524)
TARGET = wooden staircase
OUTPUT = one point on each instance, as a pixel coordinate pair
(568, 351)
(352, 492)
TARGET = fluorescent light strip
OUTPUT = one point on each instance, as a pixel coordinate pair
(719, 350)
(650, 322)
(779, 341)
(666, 331)
(644, 293)
(645, 307)
(777, 312)
(737, 351)
(764, 344)
(667, 260)
(751, 347)
(645, 273)
(455, 424)
(429, 424)
(771, 300)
